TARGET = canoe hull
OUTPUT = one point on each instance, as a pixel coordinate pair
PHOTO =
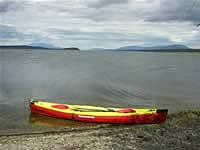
(150, 118)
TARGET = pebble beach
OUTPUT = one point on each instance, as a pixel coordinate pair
(180, 131)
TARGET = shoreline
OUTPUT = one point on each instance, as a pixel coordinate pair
(180, 131)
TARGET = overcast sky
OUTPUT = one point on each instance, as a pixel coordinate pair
(100, 23)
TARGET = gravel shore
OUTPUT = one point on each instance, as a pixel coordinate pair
(180, 131)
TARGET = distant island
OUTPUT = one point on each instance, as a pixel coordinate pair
(72, 48)
(35, 47)
(162, 48)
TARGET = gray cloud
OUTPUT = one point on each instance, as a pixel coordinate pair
(117, 23)
(78, 33)
(10, 35)
(119, 10)
(9, 32)
(177, 10)
(107, 39)
(105, 3)
(11, 5)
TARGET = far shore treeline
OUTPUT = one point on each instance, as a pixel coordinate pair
(168, 48)
(35, 47)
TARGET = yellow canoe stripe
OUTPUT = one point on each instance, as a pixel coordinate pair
(48, 105)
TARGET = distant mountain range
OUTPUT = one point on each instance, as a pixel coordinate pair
(174, 47)
(163, 48)
(154, 48)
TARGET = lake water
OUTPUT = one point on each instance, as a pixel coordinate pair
(105, 78)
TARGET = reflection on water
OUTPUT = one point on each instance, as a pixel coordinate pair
(39, 120)
(115, 79)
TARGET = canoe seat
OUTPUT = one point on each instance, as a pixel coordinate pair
(60, 106)
(126, 110)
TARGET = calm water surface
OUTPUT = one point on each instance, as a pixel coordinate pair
(106, 78)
